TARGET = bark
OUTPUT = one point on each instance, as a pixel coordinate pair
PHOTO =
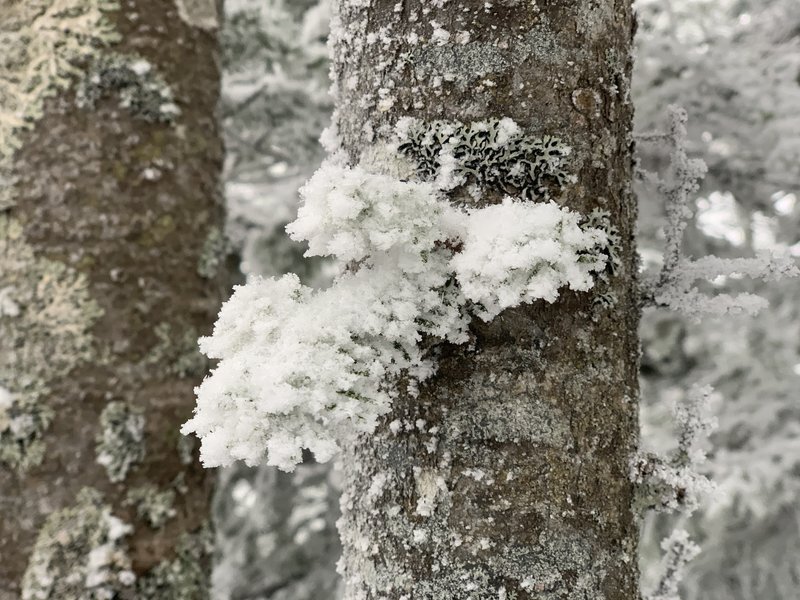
(508, 476)
(112, 259)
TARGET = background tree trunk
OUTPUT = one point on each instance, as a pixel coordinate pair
(508, 476)
(111, 265)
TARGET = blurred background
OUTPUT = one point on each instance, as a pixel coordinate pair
(735, 66)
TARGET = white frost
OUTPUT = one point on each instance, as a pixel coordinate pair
(518, 252)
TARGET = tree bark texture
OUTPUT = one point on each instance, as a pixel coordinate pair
(508, 476)
(112, 264)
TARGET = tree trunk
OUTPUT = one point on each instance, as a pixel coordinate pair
(111, 265)
(507, 477)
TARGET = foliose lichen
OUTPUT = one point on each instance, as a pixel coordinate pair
(80, 554)
(46, 316)
(601, 219)
(494, 154)
(120, 439)
(140, 89)
(153, 506)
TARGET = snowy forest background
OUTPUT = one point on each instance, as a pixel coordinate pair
(735, 66)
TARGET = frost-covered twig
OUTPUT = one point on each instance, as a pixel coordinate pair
(679, 551)
(674, 483)
(674, 286)
(679, 193)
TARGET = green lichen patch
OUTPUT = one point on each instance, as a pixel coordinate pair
(80, 554)
(494, 154)
(42, 42)
(178, 351)
(185, 577)
(212, 256)
(120, 440)
(153, 506)
(46, 316)
(140, 89)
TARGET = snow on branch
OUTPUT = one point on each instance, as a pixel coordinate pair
(675, 483)
(304, 369)
(674, 287)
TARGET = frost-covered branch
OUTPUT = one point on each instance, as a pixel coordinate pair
(304, 369)
(674, 287)
(674, 483)
(679, 551)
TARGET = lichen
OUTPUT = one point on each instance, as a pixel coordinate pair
(45, 332)
(153, 506)
(80, 554)
(494, 154)
(186, 576)
(43, 45)
(213, 253)
(141, 90)
(22, 425)
(601, 219)
(199, 13)
(178, 352)
(120, 439)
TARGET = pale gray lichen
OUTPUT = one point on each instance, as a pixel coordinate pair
(178, 352)
(153, 506)
(601, 219)
(199, 13)
(212, 255)
(120, 439)
(185, 577)
(45, 332)
(465, 563)
(474, 60)
(494, 154)
(80, 554)
(22, 425)
(140, 89)
(42, 45)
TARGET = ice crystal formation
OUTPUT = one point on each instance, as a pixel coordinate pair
(679, 551)
(304, 369)
(676, 482)
(674, 286)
